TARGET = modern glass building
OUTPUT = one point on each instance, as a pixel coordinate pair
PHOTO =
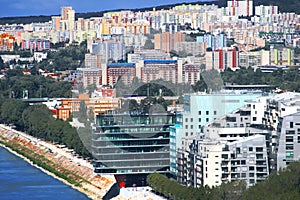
(136, 144)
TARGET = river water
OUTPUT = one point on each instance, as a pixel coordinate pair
(19, 180)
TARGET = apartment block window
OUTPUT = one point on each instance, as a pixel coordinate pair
(199, 112)
(259, 149)
(289, 154)
(207, 112)
(289, 138)
(250, 148)
(199, 119)
(254, 119)
(191, 119)
(290, 132)
(291, 125)
(186, 126)
(289, 147)
(298, 139)
(186, 119)
(207, 119)
(192, 126)
(251, 168)
(215, 112)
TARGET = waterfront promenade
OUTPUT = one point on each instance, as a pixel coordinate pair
(93, 185)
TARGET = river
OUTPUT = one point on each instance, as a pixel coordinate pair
(19, 180)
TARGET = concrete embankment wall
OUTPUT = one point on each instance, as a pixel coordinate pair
(57, 162)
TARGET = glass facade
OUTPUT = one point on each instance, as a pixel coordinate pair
(132, 144)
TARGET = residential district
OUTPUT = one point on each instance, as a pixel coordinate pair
(242, 132)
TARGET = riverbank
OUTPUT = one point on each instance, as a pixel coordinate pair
(56, 162)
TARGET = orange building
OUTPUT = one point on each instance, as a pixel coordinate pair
(98, 105)
(6, 42)
(167, 41)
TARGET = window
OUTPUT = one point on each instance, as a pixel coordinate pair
(207, 112)
(192, 126)
(289, 154)
(215, 112)
(199, 112)
(254, 119)
(207, 120)
(291, 125)
(186, 119)
(186, 126)
(199, 119)
(251, 168)
(259, 149)
(225, 156)
(289, 147)
(186, 133)
(289, 138)
(250, 148)
(290, 132)
(191, 119)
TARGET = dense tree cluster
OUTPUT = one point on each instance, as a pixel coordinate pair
(287, 80)
(284, 184)
(37, 86)
(153, 88)
(173, 190)
(280, 185)
(65, 58)
(38, 121)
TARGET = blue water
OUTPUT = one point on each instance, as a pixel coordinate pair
(19, 180)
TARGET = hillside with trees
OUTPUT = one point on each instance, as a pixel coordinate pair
(284, 6)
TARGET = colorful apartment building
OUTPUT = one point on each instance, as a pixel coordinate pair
(98, 105)
(124, 71)
(168, 70)
(167, 41)
(35, 44)
(222, 59)
(6, 42)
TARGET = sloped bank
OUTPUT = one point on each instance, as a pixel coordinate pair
(56, 163)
